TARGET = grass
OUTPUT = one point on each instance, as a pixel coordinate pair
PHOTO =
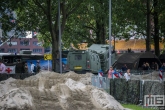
(136, 107)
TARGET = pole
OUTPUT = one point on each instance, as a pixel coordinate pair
(59, 24)
(48, 65)
(110, 50)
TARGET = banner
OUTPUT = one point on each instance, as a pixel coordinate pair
(44, 64)
(10, 70)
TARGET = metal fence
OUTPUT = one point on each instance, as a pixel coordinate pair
(131, 91)
(144, 74)
(101, 82)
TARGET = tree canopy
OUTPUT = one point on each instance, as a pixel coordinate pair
(85, 20)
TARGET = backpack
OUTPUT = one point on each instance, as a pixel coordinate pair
(35, 69)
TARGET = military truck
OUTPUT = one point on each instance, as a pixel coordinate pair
(93, 59)
(83, 60)
(103, 51)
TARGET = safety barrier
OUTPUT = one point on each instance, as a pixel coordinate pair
(101, 82)
(131, 91)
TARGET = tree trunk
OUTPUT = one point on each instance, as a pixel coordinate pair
(114, 47)
(97, 33)
(156, 29)
(148, 39)
(100, 34)
(55, 53)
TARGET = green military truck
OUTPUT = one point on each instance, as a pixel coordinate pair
(103, 51)
(93, 59)
(82, 60)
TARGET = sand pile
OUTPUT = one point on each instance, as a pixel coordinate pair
(53, 91)
(151, 76)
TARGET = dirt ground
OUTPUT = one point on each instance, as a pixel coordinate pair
(54, 91)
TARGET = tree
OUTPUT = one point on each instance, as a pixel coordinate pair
(158, 14)
(42, 16)
(145, 15)
(8, 17)
(91, 22)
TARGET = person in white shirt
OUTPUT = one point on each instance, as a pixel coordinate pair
(2, 67)
(127, 75)
(32, 68)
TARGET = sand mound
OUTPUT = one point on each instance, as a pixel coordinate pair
(53, 91)
(151, 76)
(17, 98)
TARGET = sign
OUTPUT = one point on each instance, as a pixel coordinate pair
(154, 100)
(48, 57)
(77, 67)
(10, 70)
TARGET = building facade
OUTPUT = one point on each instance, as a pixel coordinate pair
(16, 45)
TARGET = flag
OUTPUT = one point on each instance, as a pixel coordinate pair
(10, 70)
(100, 73)
(115, 74)
(161, 75)
(120, 74)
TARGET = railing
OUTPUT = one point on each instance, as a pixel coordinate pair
(131, 91)
(101, 82)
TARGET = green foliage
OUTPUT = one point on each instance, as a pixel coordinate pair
(45, 39)
(128, 16)
(87, 22)
(8, 18)
(82, 20)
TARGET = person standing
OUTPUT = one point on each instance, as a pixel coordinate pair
(124, 68)
(2, 67)
(25, 68)
(153, 66)
(163, 67)
(156, 66)
(110, 71)
(148, 66)
(38, 67)
(32, 67)
(127, 75)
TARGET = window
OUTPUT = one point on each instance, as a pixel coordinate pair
(35, 43)
(25, 42)
(11, 50)
(37, 50)
(13, 43)
(78, 57)
(2, 50)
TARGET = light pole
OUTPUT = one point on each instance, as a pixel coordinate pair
(59, 24)
(110, 49)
